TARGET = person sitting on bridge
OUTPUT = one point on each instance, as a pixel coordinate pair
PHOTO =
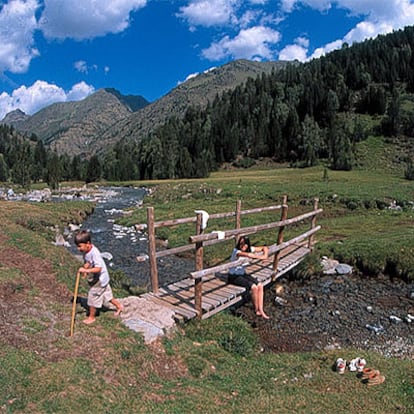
(238, 276)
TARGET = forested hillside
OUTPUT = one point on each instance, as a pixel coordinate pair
(300, 114)
(76, 128)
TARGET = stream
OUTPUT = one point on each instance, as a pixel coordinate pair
(121, 245)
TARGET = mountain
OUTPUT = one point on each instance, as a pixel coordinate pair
(15, 118)
(76, 128)
(87, 127)
(134, 102)
(198, 90)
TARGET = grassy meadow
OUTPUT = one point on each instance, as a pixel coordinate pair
(216, 365)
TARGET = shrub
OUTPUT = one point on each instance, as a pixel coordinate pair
(401, 264)
(381, 204)
(409, 171)
(310, 266)
(231, 333)
(245, 162)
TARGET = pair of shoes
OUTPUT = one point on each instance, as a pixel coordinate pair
(357, 364)
(340, 365)
(372, 376)
(378, 379)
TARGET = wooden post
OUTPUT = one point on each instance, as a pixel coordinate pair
(280, 234)
(238, 218)
(75, 297)
(198, 283)
(313, 223)
(152, 249)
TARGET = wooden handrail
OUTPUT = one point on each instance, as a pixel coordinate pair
(219, 268)
(274, 248)
(186, 248)
(254, 229)
(187, 220)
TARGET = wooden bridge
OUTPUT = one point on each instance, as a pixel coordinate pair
(206, 290)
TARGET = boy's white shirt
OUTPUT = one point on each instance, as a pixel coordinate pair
(95, 259)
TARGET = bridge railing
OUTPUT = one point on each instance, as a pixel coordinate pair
(200, 240)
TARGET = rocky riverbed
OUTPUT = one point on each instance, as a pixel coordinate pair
(337, 311)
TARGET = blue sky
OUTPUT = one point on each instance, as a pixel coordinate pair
(63, 50)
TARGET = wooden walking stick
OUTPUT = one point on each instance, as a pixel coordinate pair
(75, 296)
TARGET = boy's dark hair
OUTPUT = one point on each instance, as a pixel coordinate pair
(83, 237)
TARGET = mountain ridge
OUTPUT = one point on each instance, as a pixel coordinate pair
(99, 121)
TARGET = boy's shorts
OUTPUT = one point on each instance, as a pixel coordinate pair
(99, 296)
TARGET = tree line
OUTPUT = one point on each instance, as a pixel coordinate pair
(301, 114)
(25, 161)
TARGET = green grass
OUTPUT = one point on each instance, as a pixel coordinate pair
(357, 225)
(216, 380)
(214, 365)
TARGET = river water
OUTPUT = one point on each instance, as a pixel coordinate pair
(123, 244)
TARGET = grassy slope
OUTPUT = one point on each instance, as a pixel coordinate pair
(215, 367)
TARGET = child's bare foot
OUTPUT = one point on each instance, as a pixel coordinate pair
(119, 311)
(263, 315)
(88, 321)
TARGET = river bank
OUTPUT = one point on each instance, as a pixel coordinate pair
(331, 312)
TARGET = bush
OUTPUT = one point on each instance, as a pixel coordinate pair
(409, 171)
(231, 333)
(401, 264)
(310, 266)
(381, 204)
(245, 162)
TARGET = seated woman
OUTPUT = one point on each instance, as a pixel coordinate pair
(238, 275)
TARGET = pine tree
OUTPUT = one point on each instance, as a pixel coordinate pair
(53, 171)
(4, 170)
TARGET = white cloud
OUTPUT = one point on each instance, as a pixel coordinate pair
(320, 51)
(17, 24)
(293, 52)
(86, 19)
(365, 30)
(288, 5)
(35, 97)
(377, 17)
(208, 12)
(81, 66)
(79, 91)
(253, 43)
(60, 19)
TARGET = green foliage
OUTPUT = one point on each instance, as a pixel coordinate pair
(123, 286)
(94, 170)
(232, 334)
(308, 268)
(53, 171)
(245, 162)
(409, 171)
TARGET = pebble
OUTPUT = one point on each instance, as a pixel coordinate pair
(333, 312)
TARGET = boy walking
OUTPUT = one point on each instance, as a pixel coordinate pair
(95, 270)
